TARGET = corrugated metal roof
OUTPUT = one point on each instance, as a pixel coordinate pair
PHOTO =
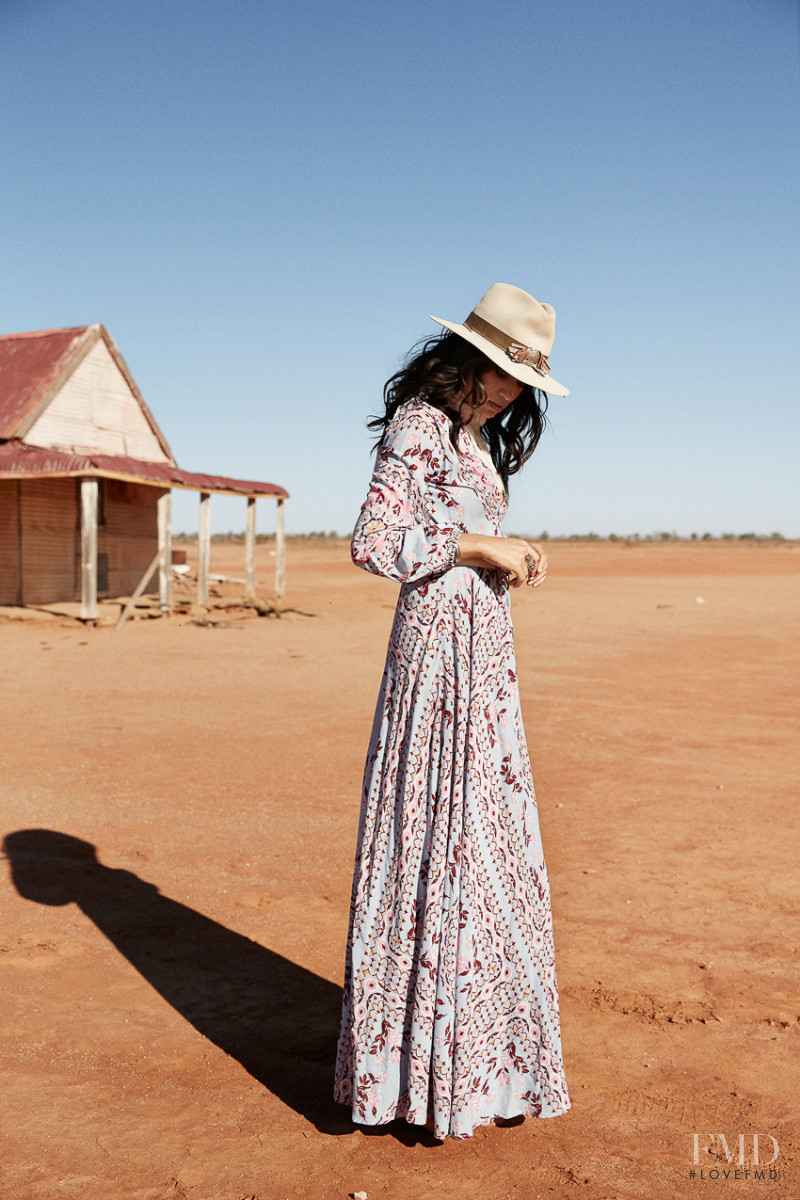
(30, 363)
(18, 460)
(35, 366)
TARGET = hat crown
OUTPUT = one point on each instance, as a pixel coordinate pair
(517, 314)
(515, 332)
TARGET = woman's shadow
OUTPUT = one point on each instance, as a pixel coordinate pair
(279, 1020)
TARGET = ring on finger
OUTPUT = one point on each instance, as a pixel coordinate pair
(531, 561)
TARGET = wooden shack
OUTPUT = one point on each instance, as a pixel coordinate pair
(86, 476)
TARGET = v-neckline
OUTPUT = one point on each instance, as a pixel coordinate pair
(485, 458)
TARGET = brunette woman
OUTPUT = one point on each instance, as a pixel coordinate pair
(450, 1003)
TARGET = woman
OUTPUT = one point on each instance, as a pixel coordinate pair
(450, 1003)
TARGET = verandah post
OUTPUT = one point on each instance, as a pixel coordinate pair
(250, 549)
(164, 509)
(280, 549)
(89, 494)
(203, 548)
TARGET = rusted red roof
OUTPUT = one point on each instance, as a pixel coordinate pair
(30, 364)
(18, 460)
(34, 366)
(32, 369)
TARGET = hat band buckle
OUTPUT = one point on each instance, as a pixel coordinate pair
(529, 358)
(526, 356)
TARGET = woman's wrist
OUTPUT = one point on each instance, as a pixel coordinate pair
(471, 550)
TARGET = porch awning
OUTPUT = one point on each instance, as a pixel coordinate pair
(18, 460)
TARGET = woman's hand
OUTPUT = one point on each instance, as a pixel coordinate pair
(517, 560)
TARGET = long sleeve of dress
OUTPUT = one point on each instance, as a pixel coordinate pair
(396, 534)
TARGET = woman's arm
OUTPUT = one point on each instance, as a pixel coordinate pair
(508, 555)
(394, 535)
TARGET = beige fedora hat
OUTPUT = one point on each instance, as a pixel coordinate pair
(516, 332)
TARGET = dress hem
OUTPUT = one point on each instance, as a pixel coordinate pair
(457, 1137)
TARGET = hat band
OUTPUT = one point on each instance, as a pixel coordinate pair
(525, 355)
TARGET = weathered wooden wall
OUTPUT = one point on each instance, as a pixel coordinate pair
(130, 534)
(95, 411)
(9, 542)
(49, 540)
(42, 518)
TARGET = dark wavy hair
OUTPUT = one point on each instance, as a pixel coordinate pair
(446, 371)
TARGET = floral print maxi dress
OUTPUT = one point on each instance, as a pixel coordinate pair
(450, 1000)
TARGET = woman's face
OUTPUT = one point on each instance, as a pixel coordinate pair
(501, 390)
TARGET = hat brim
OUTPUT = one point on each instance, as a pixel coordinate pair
(520, 371)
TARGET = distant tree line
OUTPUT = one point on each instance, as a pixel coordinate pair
(660, 536)
(544, 536)
(232, 536)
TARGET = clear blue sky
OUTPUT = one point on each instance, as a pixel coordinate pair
(263, 201)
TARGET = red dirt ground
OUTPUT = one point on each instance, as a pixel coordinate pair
(180, 805)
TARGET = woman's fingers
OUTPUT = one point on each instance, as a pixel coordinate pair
(536, 560)
(517, 560)
(526, 566)
(537, 553)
